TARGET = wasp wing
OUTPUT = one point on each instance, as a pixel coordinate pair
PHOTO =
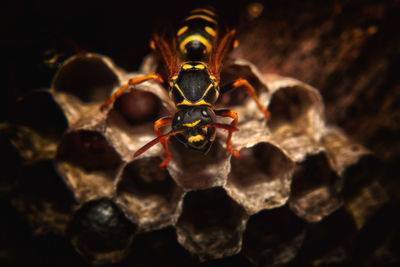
(166, 49)
(224, 42)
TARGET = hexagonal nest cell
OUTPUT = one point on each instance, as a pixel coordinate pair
(149, 196)
(217, 205)
(211, 224)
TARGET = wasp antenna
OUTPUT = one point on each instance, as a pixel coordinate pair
(154, 142)
(222, 126)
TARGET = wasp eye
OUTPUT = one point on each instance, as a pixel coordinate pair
(178, 118)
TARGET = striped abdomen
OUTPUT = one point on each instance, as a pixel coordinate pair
(196, 36)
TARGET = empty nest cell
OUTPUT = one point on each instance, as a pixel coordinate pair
(163, 248)
(261, 178)
(43, 195)
(314, 189)
(211, 224)
(193, 170)
(89, 150)
(149, 195)
(294, 106)
(89, 77)
(231, 72)
(88, 163)
(329, 242)
(273, 237)
(40, 112)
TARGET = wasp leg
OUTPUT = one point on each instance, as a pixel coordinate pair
(232, 114)
(249, 91)
(131, 82)
(157, 125)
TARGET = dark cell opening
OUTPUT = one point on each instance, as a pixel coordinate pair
(313, 173)
(88, 150)
(163, 248)
(236, 96)
(261, 163)
(39, 111)
(273, 237)
(144, 179)
(211, 223)
(87, 77)
(288, 105)
(41, 182)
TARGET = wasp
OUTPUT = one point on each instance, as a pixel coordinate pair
(193, 60)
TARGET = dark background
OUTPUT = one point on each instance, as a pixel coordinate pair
(346, 49)
(349, 50)
(118, 29)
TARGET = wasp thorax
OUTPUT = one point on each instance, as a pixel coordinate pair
(192, 121)
(193, 85)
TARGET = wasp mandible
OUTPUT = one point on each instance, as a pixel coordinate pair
(193, 61)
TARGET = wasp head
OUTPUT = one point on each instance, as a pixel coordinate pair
(196, 126)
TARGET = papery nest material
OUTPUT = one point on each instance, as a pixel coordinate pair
(94, 156)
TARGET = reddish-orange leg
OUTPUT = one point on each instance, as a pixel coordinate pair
(232, 114)
(250, 91)
(131, 82)
(157, 125)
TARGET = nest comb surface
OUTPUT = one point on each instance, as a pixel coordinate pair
(215, 203)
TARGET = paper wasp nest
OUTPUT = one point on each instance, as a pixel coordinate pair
(290, 172)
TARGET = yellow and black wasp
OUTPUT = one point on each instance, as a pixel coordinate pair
(193, 61)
